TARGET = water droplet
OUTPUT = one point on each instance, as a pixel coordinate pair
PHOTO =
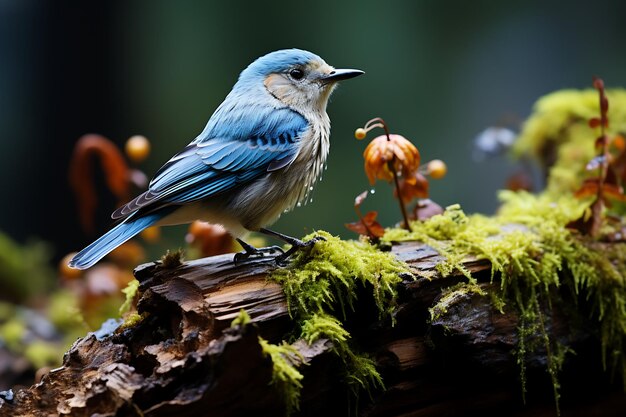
(299, 204)
(321, 179)
(372, 191)
(325, 167)
(311, 188)
(311, 201)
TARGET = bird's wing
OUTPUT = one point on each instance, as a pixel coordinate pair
(228, 155)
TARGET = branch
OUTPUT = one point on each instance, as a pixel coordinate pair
(183, 357)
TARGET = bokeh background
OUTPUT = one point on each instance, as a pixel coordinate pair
(438, 71)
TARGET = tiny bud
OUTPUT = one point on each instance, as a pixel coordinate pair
(360, 133)
(437, 169)
(594, 122)
(619, 142)
(151, 234)
(137, 148)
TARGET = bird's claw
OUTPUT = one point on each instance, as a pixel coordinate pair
(252, 252)
(296, 245)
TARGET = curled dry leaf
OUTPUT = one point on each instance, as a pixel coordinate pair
(117, 175)
(367, 225)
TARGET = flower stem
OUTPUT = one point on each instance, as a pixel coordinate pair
(407, 225)
(598, 205)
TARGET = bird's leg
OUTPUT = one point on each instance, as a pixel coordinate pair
(296, 244)
(249, 250)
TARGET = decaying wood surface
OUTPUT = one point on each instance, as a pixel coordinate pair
(184, 359)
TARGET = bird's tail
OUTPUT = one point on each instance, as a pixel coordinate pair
(112, 239)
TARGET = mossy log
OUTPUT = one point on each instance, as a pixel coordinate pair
(183, 358)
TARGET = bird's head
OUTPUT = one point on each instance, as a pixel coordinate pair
(297, 78)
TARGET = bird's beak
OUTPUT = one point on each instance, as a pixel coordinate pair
(340, 74)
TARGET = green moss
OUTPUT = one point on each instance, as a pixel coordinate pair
(325, 278)
(20, 340)
(285, 375)
(450, 295)
(322, 284)
(24, 269)
(129, 292)
(41, 353)
(242, 319)
(532, 253)
(132, 320)
(361, 373)
(12, 334)
(64, 312)
(558, 134)
(172, 260)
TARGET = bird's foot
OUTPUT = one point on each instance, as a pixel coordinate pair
(250, 251)
(296, 245)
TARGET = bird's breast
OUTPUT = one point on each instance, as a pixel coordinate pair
(263, 202)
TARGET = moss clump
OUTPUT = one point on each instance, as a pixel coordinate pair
(172, 260)
(24, 269)
(132, 320)
(450, 295)
(361, 373)
(285, 375)
(323, 281)
(529, 247)
(242, 319)
(41, 353)
(130, 292)
(326, 276)
(558, 135)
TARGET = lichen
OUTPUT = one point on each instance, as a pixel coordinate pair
(285, 375)
(532, 252)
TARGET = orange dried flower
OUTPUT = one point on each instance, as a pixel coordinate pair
(413, 186)
(211, 239)
(396, 151)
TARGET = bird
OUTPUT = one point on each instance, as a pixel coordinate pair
(259, 154)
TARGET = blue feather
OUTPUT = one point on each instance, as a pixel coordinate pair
(226, 155)
(113, 238)
(277, 61)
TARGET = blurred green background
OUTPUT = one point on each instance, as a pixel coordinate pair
(438, 72)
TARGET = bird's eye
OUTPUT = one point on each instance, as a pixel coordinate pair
(296, 73)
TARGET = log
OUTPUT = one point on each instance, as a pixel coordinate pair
(185, 358)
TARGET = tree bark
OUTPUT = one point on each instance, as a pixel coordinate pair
(184, 358)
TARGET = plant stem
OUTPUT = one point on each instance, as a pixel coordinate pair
(407, 225)
(598, 205)
(367, 229)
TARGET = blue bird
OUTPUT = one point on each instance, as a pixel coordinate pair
(259, 154)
